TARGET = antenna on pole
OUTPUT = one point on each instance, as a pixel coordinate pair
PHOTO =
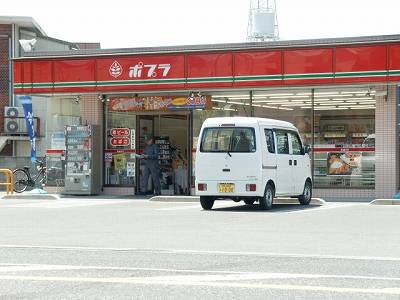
(263, 21)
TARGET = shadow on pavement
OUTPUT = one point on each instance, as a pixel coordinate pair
(276, 208)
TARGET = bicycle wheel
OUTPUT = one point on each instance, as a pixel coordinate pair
(21, 180)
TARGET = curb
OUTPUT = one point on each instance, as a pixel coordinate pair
(31, 197)
(385, 202)
(314, 201)
(175, 199)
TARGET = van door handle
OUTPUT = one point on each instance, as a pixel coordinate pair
(295, 162)
(290, 162)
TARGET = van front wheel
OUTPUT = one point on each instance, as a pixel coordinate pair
(305, 198)
(268, 199)
(206, 202)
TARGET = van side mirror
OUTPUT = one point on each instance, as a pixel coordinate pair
(307, 149)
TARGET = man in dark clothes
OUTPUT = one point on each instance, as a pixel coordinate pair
(151, 166)
(243, 144)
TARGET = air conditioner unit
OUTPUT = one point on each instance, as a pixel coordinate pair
(13, 111)
(14, 120)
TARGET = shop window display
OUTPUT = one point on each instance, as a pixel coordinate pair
(119, 155)
(343, 130)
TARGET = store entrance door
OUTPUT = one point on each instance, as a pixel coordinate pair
(172, 136)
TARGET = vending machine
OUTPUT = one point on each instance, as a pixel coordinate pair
(83, 160)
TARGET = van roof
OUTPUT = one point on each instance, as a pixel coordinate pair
(247, 121)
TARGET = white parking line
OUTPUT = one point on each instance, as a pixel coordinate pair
(54, 204)
(201, 275)
(215, 284)
(205, 252)
(326, 206)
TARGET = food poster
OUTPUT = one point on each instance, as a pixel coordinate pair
(344, 163)
(119, 162)
(151, 103)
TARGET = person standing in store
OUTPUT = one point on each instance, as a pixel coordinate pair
(151, 166)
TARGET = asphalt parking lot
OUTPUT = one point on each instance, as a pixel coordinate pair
(136, 249)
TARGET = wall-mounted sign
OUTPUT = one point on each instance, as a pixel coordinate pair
(133, 139)
(108, 157)
(159, 103)
(120, 141)
(117, 132)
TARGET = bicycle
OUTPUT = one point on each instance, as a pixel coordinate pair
(23, 178)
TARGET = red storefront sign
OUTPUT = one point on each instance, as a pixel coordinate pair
(120, 132)
(305, 65)
(158, 103)
(120, 141)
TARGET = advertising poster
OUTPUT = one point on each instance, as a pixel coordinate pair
(159, 103)
(344, 163)
(119, 162)
(130, 169)
(58, 140)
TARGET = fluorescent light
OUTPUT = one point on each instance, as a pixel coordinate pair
(349, 106)
(226, 109)
(273, 95)
(372, 107)
(293, 104)
(326, 93)
(232, 95)
(219, 101)
(330, 108)
(329, 104)
(358, 92)
(286, 97)
(303, 94)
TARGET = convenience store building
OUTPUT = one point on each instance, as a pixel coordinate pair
(342, 94)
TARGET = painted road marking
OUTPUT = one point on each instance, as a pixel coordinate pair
(324, 207)
(54, 204)
(286, 209)
(217, 284)
(207, 275)
(205, 252)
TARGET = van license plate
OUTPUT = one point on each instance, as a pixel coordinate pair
(226, 187)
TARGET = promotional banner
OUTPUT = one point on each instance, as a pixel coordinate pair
(26, 102)
(159, 103)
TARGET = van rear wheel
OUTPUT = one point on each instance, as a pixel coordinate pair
(206, 202)
(267, 200)
(305, 198)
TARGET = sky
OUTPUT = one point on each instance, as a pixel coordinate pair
(139, 23)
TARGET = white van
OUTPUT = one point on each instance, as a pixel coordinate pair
(251, 159)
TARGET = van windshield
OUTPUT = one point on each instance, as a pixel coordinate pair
(228, 139)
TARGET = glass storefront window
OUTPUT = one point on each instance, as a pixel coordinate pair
(119, 156)
(342, 122)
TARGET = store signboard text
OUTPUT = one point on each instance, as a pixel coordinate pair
(120, 141)
(120, 132)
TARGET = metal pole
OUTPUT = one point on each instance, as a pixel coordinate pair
(251, 104)
(312, 133)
